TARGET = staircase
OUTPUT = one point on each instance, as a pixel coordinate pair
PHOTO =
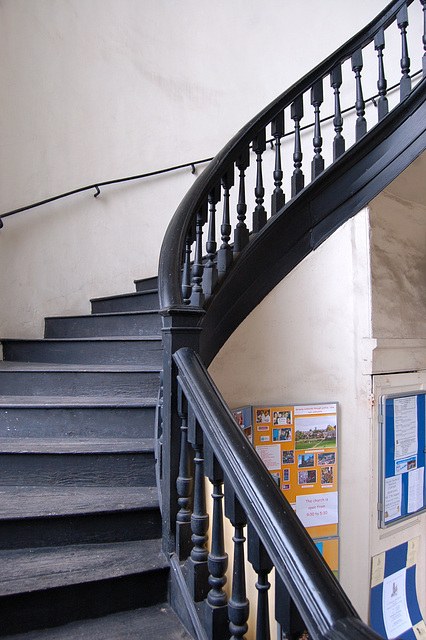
(80, 531)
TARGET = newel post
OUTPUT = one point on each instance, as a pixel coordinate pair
(181, 328)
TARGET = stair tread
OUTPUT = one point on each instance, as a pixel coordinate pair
(107, 313)
(22, 502)
(13, 366)
(90, 402)
(144, 338)
(131, 294)
(75, 445)
(159, 621)
(27, 570)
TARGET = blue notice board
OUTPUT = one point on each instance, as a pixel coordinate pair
(402, 457)
(394, 607)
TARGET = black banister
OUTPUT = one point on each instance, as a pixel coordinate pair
(174, 240)
(311, 584)
(208, 286)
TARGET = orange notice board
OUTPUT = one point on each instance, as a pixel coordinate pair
(298, 445)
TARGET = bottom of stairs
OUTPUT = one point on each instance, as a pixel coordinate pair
(158, 621)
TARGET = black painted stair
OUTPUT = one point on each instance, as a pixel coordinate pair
(80, 525)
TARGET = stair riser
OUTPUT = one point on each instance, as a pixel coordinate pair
(79, 383)
(100, 326)
(85, 352)
(143, 302)
(83, 423)
(146, 284)
(144, 524)
(52, 607)
(101, 470)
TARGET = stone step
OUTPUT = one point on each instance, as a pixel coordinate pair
(46, 516)
(158, 621)
(132, 323)
(146, 283)
(77, 462)
(76, 416)
(46, 587)
(43, 379)
(135, 301)
(101, 350)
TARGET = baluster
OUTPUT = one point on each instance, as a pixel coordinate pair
(216, 604)
(186, 276)
(317, 98)
(382, 104)
(405, 84)
(241, 233)
(423, 2)
(197, 295)
(238, 605)
(361, 123)
(259, 214)
(183, 485)
(286, 613)
(297, 179)
(278, 197)
(224, 255)
(210, 268)
(339, 141)
(197, 562)
(259, 558)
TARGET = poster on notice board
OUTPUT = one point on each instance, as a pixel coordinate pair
(298, 445)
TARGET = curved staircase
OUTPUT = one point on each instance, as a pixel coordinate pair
(80, 524)
(84, 551)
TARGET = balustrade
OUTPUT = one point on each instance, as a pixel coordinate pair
(339, 141)
(203, 265)
(405, 83)
(259, 214)
(201, 433)
(382, 104)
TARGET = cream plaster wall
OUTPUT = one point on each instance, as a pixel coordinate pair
(302, 345)
(398, 266)
(99, 89)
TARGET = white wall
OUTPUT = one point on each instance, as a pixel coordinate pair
(302, 345)
(99, 89)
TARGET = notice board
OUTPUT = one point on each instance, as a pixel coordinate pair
(298, 445)
(401, 457)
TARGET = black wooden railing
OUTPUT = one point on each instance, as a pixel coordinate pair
(208, 287)
(275, 536)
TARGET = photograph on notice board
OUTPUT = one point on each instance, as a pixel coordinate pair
(327, 475)
(263, 416)
(285, 434)
(306, 460)
(316, 432)
(307, 476)
(326, 458)
(238, 415)
(281, 417)
(288, 457)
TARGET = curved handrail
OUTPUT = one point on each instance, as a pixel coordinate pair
(307, 220)
(234, 286)
(170, 262)
(317, 594)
